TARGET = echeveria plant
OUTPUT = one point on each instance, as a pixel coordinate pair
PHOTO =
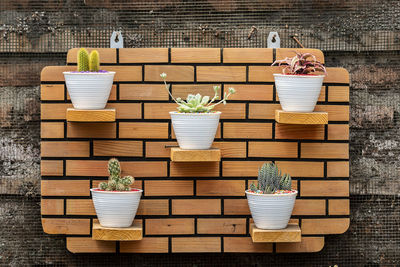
(197, 103)
(301, 64)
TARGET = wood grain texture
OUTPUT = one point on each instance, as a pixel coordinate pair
(220, 187)
(61, 226)
(65, 187)
(304, 132)
(302, 169)
(338, 169)
(221, 73)
(146, 245)
(245, 245)
(307, 244)
(236, 207)
(168, 188)
(99, 115)
(339, 206)
(309, 207)
(301, 117)
(273, 149)
(324, 188)
(142, 92)
(196, 244)
(226, 226)
(88, 245)
(174, 73)
(251, 92)
(91, 130)
(52, 130)
(325, 150)
(196, 206)
(335, 112)
(244, 130)
(195, 55)
(146, 130)
(291, 233)
(182, 90)
(65, 149)
(189, 155)
(52, 206)
(51, 168)
(194, 169)
(117, 148)
(263, 111)
(134, 232)
(338, 93)
(143, 55)
(52, 92)
(248, 55)
(241, 168)
(338, 132)
(178, 226)
(325, 226)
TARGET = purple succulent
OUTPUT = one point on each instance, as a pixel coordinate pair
(301, 64)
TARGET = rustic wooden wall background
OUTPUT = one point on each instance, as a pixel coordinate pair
(193, 207)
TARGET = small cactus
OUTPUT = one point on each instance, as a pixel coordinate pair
(115, 181)
(94, 61)
(270, 180)
(83, 60)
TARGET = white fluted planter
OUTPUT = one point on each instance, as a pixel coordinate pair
(116, 208)
(195, 130)
(271, 211)
(89, 90)
(298, 93)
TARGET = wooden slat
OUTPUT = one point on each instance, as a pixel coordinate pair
(339, 206)
(196, 244)
(220, 187)
(291, 233)
(134, 232)
(168, 188)
(54, 111)
(301, 117)
(248, 55)
(51, 168)
(337, 75)
(100, 115)
(245, 245)
(61, 226)
(335, 112)
(338, 94)
(306, 132)
(244, 130)
(338, 132)
(88, 245)
(182, 90)
(52, 92)
(65, 149)
(194, 169)
(174, 73)
(221, 73)
(65, 187)
(302, 169)
(91, 130)
(231, 149)
(143, 55)
(307, 244)
(52, 130)
(282, 53)
(324, 226)
(146, 245)
(273, 149)
(263, 111)
(187, 155)
(52, 206)
(263, 73)
(142, 92)
(338, 169)
(106, 55)
(324, 188)
(196, 206)
(251, 92)
(236, 207)
(168, 226)
(324, 151)
(309, 207)
(195, 55)
(241, 168)
(147, 130)
(117, 148)
(225, 226)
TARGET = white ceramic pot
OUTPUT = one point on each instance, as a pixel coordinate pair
(116, 208)
(271, 211)
(298, 93)
(195, 130)
(89, 90)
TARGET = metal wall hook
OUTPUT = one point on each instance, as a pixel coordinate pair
(273, 40)
(116, 40)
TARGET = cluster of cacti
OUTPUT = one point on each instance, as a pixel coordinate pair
(115, 181)
(198, 103)
(88, 62)
(270, 180)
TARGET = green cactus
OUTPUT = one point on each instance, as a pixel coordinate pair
(270, 180)
(83, 60)
(115, 181)
(94, 61)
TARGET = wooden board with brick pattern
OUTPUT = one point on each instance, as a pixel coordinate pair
(191, 207)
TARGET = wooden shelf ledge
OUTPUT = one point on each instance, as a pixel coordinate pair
(94, 115)
(291, 233)
(135, 232)
(189, 155)
(301, 117)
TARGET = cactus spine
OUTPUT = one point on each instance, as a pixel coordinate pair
(94, 61)
(115, 181)
(270, 179)
(83, 60)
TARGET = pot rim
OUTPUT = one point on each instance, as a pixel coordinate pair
(98, 190)
(89, 73)
(272, 195)
(298, 76)
(196, 114)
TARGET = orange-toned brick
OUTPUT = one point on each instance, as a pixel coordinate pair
(52, 92)
(52, 130)
(88, 245)
(54, 73)
(196, 206)
(231, 149)
(338, 169)
(225, 226)
(248, 55)
(335, 112)
(153, 207)
(243, 130)
(147, 130)
(142, 92)
(125, 73)
(263, 111)
(194, 169)
(263, 73)
(182, 90)
(117, 148)
(168, 188)
(302, 168)
(61, 226)
(307, 244)
(293, 131)
(91, 130)
(179, 226)
(65, 187)
(51, 168)
(220, 187)
(338, 132)
(54, 111)
(196, 244)
(325, 151)
(232, 111)
(80, 207)
(174, 73)
(143, 55)
(236, 207)
(158, 149)
(324, 226)
(339, 206)
(273, 149)
(241, 168)
(126, 110)
(324, 188)
(309, 207)
(338, 93)
(251, 92)
(64, 149)
(146, 245)
(195, 55)
(337, 75)
(245, 245)
(221, 73)
(52, 206)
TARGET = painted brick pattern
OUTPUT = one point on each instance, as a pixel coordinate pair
(193, 207)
